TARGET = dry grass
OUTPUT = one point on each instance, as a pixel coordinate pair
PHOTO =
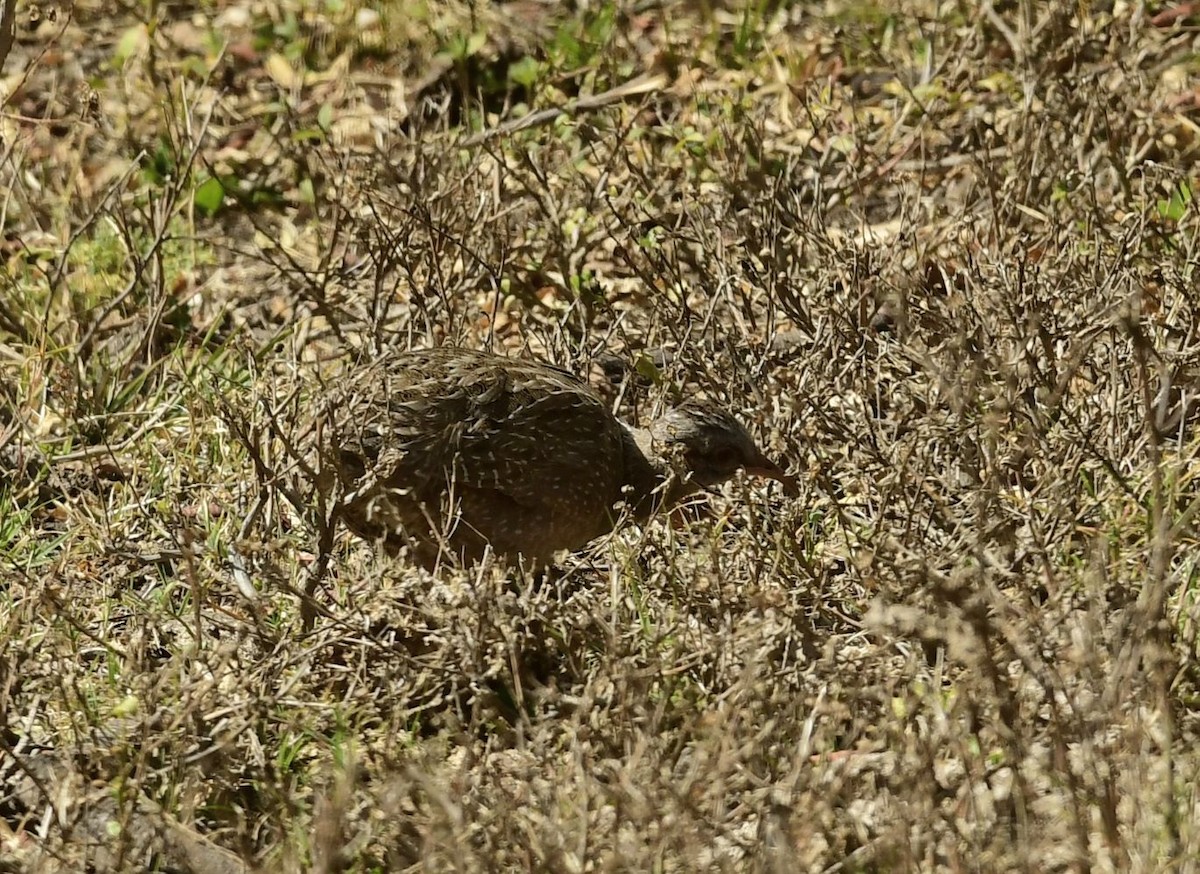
(943, 257)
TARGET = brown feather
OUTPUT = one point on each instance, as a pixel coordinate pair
(451, 449)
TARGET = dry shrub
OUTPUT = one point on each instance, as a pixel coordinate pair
(953, 285)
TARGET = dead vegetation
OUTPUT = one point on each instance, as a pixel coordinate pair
(941, 255)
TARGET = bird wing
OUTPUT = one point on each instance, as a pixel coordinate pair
(532, 432)
(559, 451)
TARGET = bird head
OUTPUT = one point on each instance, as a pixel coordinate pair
(711, 446)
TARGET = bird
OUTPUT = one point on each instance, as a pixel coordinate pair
(453, 452)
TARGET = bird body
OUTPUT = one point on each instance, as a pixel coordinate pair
(450, 450)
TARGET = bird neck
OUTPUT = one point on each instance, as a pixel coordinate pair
(652, 480)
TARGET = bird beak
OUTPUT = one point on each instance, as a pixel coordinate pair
(768, 469)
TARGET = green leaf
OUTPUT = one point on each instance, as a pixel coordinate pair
(1175, 208)
(325, 117)
(524, 72)
(129, 44)
(461, 47)
(477, 41)
(646, 369)
(567, 49)
(209, 196)
(159, 166)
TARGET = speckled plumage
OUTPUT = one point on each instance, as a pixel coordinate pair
(454, 449)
